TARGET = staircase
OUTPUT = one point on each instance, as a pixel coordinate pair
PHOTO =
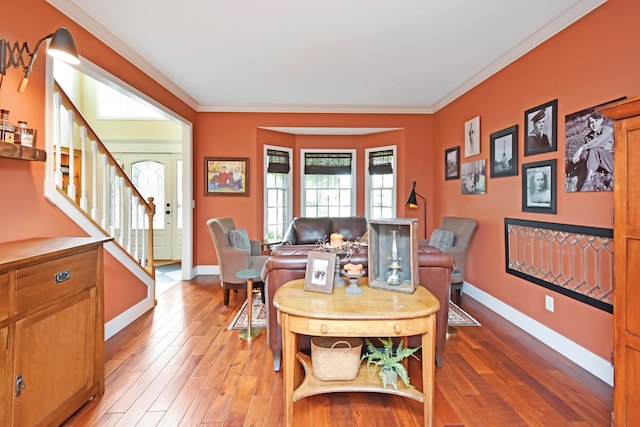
(85, 182)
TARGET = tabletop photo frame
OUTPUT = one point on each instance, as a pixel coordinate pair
(319, 273)
(504, 152)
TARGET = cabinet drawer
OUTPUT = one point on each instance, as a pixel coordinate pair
(42, 284)
(4, 296)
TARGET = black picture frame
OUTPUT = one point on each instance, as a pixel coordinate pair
(320, 272)
(504, 152)
(545, 139)
(452, 163)
(539, 196)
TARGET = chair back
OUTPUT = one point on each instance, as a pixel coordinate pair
(463, 230)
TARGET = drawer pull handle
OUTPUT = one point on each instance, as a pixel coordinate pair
(397, 328)
(62, 276)
(324, 328)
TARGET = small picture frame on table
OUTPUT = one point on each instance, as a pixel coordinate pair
(452, 163)
(504, 152)
(320, 270)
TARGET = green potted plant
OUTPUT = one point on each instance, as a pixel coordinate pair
(389, 360)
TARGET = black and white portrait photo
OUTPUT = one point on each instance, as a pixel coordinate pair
(589, 151)
(472, 137)
(539, 187)
(541, 128)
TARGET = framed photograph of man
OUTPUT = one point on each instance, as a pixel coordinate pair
(474, 177)
(539, 187)
(472, 137)
(226, 176)
(319, 273)
(452, 163)
(589, 146)
(541, 128)
(504, 152)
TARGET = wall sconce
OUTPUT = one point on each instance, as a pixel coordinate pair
(61, 47)
(412, 202)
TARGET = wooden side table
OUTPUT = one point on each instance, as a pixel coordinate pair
(374, 313)
(251, 275)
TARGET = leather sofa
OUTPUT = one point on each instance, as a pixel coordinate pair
(309, 231)
(288, 262)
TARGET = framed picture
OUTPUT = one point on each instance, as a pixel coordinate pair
(539, 187)
(226, 176)
(541, 128)
(452, 163)
(474, 177)
(319, 274)
(588, 141)
(504, 152)
(472, 137)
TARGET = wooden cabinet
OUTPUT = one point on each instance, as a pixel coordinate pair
(52, 294)
(626, 394)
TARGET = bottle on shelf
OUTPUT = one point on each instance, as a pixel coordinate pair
(6, 128)
(23, 136)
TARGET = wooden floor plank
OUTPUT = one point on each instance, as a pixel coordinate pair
(179, 365)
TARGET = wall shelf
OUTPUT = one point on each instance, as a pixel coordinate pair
(17, 151)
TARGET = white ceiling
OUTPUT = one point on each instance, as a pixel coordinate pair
(387, 56)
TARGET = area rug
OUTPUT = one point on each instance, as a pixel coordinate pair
(457, 316)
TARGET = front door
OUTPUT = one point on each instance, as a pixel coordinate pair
(159, 175)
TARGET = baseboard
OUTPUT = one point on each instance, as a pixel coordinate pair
(207, 270)
(579, 355)
(120, 322)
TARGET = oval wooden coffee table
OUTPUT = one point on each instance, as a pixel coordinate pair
(374, 313)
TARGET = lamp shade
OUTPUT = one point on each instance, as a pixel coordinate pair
(412, 202)
(63, 47)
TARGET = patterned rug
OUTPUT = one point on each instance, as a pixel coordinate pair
(457, 316)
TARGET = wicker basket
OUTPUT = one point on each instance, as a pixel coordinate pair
(335, 359)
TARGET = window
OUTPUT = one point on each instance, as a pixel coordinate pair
(328, 183)
(115, 105)
(381, 194)
(277, 193)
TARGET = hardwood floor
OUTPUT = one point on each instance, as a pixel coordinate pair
(179, 366)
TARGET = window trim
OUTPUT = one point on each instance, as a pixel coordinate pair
(354, 161)
(289, 207)
(367, 184)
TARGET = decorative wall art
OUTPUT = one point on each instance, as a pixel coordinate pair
(474, 177)
(589, 146)
(472, 137)
(226, 176)
(504, 152)
(452, 163)
(539, 187)
(541, 128)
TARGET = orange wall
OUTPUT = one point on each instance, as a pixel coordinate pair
(237, 135)
(25, 212)
(593, 61)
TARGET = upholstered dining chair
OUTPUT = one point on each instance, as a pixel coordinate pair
(235, 252)
(453, 238)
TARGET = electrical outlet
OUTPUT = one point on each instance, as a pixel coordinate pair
(548, 303)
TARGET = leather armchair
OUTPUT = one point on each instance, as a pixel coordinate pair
(289, 262)
(233, 259)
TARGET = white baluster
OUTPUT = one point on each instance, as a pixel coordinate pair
(83, 169)
(129, 216)
(105, 190)
(121, 200)
(50, 171)
(71, 189)
(94, 183)
(112, 200)
(137, 224)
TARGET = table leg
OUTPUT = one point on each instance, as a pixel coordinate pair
(428, 370)
(288, 366)
(250, 333)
